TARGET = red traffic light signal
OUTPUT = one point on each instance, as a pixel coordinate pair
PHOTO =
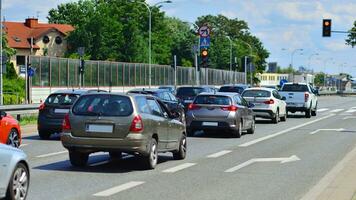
(326, 27)
(204, 53)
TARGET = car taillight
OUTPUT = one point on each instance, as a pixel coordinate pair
(271, 101)
(66, 123)
(42, 106)
(229, 108)
(193, 107)
(137, 124)
(306, 97)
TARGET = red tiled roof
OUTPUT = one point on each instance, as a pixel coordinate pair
(19, 35)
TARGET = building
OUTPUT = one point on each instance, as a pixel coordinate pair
(34, 38)
(272, 79)
(303, 78)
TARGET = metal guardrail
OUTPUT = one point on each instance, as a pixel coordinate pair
(19, 110)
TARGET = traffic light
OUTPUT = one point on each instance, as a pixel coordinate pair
(326, 27)
(82, 66)
(204, 58)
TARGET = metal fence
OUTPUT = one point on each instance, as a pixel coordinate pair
(63, 72)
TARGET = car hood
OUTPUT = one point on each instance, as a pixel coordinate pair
(8, 148)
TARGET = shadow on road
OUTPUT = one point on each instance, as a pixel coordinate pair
(36, 137)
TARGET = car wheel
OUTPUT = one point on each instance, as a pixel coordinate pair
(150, 161)
(14, 138)
(19, 183)
(78, 159)
(237, 133)
(313, 112)
(253, 127)
(44, 135)
(275, 119)
(182, 151)
(115, 154)
(308, 113)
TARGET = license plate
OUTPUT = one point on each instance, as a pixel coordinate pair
(291, 104)
(188, 101)
(210, 124)
(61, 111)
(100, 128)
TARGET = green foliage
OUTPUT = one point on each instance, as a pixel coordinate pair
(14, 91)
(288, 70)
(319, 79)
(351, 38)
(28, 120)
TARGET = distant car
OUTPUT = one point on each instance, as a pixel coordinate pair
(14, 173)
(187, 94)
(170, 88)
(268, 103)
(166, 97)
(115, 123)
(233, 88)
(220, 111)
(10, 132)
(52, 111)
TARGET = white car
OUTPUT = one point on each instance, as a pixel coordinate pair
(268, 103)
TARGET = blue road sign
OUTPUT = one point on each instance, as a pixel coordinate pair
(204, 42)
(30, 72)
(282, 82)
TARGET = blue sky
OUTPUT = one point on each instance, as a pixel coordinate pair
(288, 24)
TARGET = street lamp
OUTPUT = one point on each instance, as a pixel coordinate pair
(196, 50)
(150, 35)
(250, 54)
(310, 57)
(229, 38)
(325, 61)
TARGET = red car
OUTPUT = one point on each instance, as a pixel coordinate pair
(10, 132)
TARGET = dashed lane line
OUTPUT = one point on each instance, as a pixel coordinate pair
(117, 189)
(51, 154)
(337, 110)
(219, 154)
(323, 109)
(179, 168)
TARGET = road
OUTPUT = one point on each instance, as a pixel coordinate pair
(280, 161)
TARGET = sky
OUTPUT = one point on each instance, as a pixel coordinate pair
(280, 24)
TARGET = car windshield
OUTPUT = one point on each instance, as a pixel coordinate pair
(233, 89)
(61, 99)
(103, 105)
(295, 88)
(189, 91)
(256, 93)
(212, 100)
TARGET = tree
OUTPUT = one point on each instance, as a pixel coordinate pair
(319, 79)
(351, 40)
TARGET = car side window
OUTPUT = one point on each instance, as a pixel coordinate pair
(166, 96)
(143, 105)
(164, 109)
(173, 98)
(156, 110)
(276, 95)
(244, 102)
(238, 100)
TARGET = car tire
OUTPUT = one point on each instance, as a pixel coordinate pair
(284, 118)
(238, 132)
(14, 138)
(253, 127)
(181, 153)
(275, 118)
(150, 160)
(313, 112)
(78, 159)
(44, 135)
(115, 155)
(308, 113)
(20, 172)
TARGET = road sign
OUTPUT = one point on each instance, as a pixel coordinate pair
(30, 72)
(204, 31)
(81, 51)
(204, 42)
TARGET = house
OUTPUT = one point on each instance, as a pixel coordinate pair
(271, 79)
(34, 38)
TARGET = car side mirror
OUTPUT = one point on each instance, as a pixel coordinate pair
(2, 114)
(175, 115)
(251, 105)
(284, 98)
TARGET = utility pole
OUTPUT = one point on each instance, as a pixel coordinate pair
(1, 81)
(175, 70)
(245, 70)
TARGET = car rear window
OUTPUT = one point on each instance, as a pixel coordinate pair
(191, 91)
(103, 105)
(295, 88)
(233, 89)
(256, 93)
(61, 99)
(212, 100)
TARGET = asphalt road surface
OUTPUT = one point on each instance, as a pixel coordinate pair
(280, 161)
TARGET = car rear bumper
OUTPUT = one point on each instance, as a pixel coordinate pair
(296, 109)
(222, 125)
(264, 113)
(133, 143)
(49, 124)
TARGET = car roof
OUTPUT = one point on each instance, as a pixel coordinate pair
(261, 88)
(228, 94)
(236, 85)
(72, 91)
(295, 83)
(150, 90)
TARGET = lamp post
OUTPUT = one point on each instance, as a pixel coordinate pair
(229, 38)
(325, 61)
(150, 35)
(292, 57)
(250, 54)
(197, 77)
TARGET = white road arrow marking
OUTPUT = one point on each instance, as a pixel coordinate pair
(252, 161)
(319, 130)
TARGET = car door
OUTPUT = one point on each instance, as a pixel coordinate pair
(242, 110)
(280, 103)
(160, 123)
(248, 112)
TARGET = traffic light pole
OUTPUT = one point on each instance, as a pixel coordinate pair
(245, 70)
(196, 69)
(1, 81)
(175, 71)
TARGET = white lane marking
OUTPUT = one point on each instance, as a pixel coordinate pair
(23, 145)
(319, 130)
(337, 110)
(283, 132)
(247, 163)
(51, 154)
(351, 111)
(350, 117)
(329, 177)
(218, 154)
(99, 163)
(117, 189)
(322, 109)
(179, 167)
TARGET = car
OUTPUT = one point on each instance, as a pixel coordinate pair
(10, 131)
(220, 111)
(300, 97)
(187, 94)
(51, 112)
(131, 123)
(166, 97)
(268, 103)
(170, 88)
(14, 173)
(233, 88)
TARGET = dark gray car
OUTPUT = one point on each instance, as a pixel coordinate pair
(116, 123)
(220, 111)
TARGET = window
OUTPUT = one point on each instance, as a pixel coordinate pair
(173, 98)
(156, 110)
(295, 88)
(58, 40)
(276, 95)
(61, 99)
(45, 39)
(212, 100)
(143, 105)
(20, 60)
(256, 93)
(238, 100)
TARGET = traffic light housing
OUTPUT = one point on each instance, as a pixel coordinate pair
(82, 66)
(204, 54)
(326, 27)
